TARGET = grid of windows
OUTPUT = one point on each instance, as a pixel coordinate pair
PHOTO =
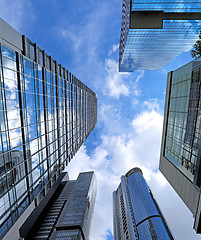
(147, 216)
(68, 235)
(184, 122)
(136, 213)
(46, 113)
(79, 208)
(168, 6)
(152, 229)
(121, 211)
(149, 49)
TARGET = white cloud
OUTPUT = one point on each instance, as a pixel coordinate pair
(114, 157)
(118, 153)
(15, 12)
(110, 118)
(85, 39)
(141, 74)
(177, 215)
(74, 36)
(135, 102)
(134, 83)
(137, 92)
(146, 121)
(115, 86)
(152, 104)
(114, 49)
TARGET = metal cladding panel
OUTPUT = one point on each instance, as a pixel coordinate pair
(10, 36)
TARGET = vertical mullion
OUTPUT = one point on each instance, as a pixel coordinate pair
(76, 117)
(7, 135)
(71, 100)
(58, 116)
(44, 78)
(66, 114)
(85, 113)
(22, 125)
(69, 115)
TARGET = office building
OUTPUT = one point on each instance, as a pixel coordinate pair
(155, 32)
(181, 143)
(46, 113)
(136, 215)
(66, 211)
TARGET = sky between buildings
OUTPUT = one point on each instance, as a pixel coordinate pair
(83, 36)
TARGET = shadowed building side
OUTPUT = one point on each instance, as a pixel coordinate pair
(181, 143)
(64, 214)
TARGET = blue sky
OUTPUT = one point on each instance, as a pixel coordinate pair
(83, 36)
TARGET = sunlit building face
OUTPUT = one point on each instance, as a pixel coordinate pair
(136, 215)
(46, 113)
(155, 32)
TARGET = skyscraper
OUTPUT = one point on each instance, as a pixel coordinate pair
(136, 214)
(46, 113)
(155, 32)
(66, 213)
(181, 143)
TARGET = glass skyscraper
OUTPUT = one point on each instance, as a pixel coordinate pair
(66, 213)
(181, 143)
(46, 113)
(155, 32)
(136, 215)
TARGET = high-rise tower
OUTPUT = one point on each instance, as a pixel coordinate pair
(66, 213)
(46, 113)
(180, 159)
(155, 32)
(136, 215)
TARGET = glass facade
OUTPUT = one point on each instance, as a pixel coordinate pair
(149, 49)
(143, 219)
(182, 145)
(46, 113)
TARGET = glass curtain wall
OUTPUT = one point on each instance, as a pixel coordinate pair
(149, 48)
(46, 113)
(184, 119)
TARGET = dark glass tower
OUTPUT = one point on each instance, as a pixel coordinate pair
(46, 113)
(180, 159)
(66, 213)
(136, 214)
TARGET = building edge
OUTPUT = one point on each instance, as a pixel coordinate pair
(173, 175)
(19, 44)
